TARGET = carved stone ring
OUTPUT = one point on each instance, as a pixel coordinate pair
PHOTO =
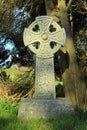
(44, 36)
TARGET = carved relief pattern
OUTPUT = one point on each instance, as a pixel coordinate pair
(44, 22)
(44, 79)
(44, 36)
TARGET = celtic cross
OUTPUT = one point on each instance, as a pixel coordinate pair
(44, 37)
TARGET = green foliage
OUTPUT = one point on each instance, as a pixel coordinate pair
(9, 120)
(9, 16)
(81, 114)
(81, 50)
(59, 90)
(3, 76)
(16, 83)
(8, 109)
(15, 21)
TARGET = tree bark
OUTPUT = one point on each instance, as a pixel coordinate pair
(74, 85)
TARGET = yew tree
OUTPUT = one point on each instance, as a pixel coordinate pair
(62, 12)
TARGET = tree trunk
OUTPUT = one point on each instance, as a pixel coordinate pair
(74, 85)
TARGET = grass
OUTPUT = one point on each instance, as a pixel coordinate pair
(9, 120)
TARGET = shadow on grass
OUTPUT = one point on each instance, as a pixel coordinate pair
(4, 122)
(63, 122)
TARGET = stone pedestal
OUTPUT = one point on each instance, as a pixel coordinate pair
(44, 108)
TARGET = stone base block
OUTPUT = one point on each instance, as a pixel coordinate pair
(44, 108)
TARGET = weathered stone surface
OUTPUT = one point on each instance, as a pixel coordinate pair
(44, 79)
(44, 37)
(44, 108)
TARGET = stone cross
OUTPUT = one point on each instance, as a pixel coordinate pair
(44, 37)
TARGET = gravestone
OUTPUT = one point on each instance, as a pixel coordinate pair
(44, 37)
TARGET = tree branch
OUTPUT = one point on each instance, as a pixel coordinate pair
(69, 3)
